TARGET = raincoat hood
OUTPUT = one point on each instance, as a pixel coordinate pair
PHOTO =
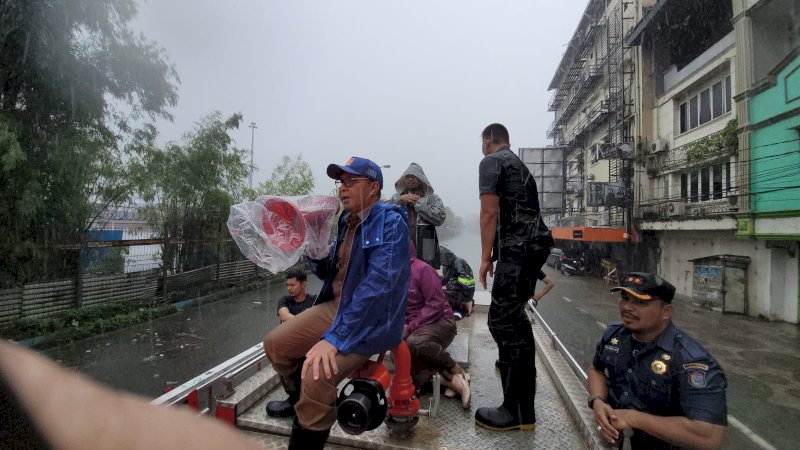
(416, 170)
(448, 257)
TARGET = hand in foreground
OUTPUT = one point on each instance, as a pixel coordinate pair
(322, 353)
(604, 416)
(486, 267)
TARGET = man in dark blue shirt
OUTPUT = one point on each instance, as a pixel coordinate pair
(513, 234)
(651, 377)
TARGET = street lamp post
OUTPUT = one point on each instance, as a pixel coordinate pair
(252, 140)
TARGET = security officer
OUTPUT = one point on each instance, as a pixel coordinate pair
(513, 234)
(650, 377)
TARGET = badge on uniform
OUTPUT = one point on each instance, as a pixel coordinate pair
(658, 367)
(614, 341)
(665, 357)
(698, 366)
(697, 379)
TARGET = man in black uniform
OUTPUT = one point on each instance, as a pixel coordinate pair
(513, 234)
(651, 377)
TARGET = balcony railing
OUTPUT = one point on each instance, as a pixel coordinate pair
(692, 154)
(683, 210)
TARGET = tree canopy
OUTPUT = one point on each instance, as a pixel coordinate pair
(190, 187)
(73, 76)
(292, 176)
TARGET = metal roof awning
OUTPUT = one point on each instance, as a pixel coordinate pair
(634, 37)
(591, 234)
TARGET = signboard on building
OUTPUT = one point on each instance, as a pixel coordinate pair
(547, 168)
(611, 151)
(707, 282)
(606, 194)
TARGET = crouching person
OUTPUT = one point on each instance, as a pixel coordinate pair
(359, 311)
(429, 329)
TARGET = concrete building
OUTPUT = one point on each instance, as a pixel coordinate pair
(768, 92)
(706, 194)
(595, 121)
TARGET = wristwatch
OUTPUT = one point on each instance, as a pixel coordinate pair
(592, 398)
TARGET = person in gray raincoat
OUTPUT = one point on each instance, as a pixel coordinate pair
(425, 212)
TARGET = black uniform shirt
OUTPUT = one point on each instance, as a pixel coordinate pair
(295, 307)
(674, 376)
(520, 227)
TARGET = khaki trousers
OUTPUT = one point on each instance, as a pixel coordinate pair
(286, 346)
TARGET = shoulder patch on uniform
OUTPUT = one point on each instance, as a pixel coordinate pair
(697, 379)
(695, 366)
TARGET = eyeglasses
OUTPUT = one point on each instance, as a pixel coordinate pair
(348, 182)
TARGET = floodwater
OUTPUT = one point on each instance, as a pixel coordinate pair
(149, 357)
(762, 396)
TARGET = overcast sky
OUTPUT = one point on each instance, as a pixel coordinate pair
(395, 82)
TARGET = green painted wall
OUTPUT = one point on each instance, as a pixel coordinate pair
(775, 154)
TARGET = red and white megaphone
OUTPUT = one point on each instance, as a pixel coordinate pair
(274, 232)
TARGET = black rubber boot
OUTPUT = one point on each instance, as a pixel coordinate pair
(517, 411)
(285, 408)
(302, 439)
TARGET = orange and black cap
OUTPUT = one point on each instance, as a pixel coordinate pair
(646, 286)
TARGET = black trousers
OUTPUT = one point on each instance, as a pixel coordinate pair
(514, 283)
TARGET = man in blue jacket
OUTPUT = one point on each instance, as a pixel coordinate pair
(360, 310)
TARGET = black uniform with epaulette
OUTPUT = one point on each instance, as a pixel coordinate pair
(672, 376)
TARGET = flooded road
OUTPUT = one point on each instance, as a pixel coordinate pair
(149, 357)
(761, 359)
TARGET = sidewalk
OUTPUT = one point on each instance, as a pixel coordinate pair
(761, 359)
(762, 362)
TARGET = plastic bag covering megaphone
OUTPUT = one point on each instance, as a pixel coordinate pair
(274, 232)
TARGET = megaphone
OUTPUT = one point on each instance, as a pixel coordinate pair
(274, 232)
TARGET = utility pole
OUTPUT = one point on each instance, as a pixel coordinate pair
(252, 140)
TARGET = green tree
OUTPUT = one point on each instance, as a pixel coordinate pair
(72, 76)
(189, 188)
(292, 176)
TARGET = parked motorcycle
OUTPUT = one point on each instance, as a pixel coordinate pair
(572, 266)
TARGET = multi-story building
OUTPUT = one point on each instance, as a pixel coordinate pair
(595, 118)
(768, 97)
(711, 186)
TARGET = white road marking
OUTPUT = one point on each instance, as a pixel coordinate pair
(568, 299)
(601, 324)
(758, 440)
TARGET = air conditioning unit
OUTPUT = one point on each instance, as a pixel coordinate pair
(660, 145)
(676, 209)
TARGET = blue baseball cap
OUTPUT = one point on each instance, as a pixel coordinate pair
(357, 166)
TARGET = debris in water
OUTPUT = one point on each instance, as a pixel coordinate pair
(256, 303)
